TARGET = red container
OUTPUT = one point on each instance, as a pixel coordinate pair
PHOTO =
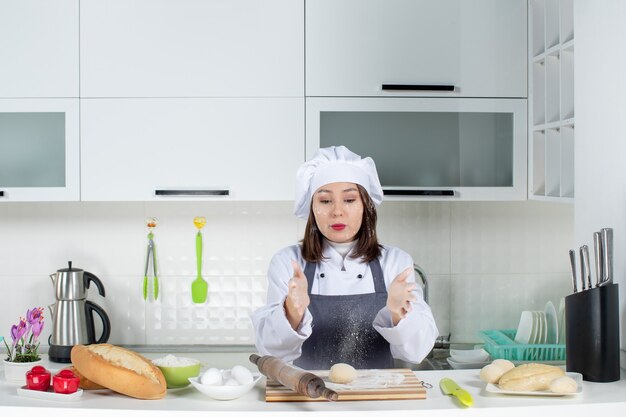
(65, 382)
(38, 379)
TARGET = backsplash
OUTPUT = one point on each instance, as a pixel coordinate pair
(485, 261)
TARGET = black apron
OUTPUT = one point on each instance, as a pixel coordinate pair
(342, 327)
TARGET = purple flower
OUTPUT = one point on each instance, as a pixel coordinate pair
(35, 321)
(19, 330)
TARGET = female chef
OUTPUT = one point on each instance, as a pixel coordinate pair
(340, 296)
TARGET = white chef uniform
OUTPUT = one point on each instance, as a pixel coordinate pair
(410, 340)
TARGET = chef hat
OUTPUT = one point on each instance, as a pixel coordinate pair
(334, 164)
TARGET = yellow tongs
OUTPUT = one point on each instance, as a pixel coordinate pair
(151, 222)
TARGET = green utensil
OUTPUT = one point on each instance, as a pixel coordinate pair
(199, 286)
(449, 387)
(151, 222)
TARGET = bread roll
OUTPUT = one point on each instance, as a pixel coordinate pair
(530, 377)
(564, 385)
(120, 370)
(503, 364)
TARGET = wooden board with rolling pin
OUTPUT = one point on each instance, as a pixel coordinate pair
(289, 383)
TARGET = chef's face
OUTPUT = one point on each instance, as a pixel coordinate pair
(338, 211)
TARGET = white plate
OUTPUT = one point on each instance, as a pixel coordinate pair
(48, 395)
(467, 365)
(525, 327)
(561, 340)
(469, 355)
(553, 324)
(575, 375)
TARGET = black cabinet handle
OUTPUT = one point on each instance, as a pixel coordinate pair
(437, 193)
(418, 87)
(192, 193)
(1, 193)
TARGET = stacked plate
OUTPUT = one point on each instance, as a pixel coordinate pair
(469, 358)
(538, 327)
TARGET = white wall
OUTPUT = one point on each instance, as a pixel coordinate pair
(486, 261)
(600, 134)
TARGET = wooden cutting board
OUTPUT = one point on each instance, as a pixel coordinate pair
(371, 384)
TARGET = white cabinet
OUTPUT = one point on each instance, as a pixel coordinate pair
(439, 149)
(551, 94)
(163, 149)
(38, 48)
(354, 47)
(39, 150)
(192, 48)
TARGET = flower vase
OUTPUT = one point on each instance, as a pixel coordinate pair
(15, 372)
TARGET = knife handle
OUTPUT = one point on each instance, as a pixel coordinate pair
(572, 261)
(584, 268)
(598, 255)
(607, 254)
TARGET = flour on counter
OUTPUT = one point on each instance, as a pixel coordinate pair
(372, 379)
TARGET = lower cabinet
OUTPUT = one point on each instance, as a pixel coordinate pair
(180, 149)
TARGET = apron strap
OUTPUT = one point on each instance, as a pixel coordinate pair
(375, 268)
(309, 273)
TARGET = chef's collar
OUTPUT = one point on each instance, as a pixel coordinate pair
(334, 263)
(343, 248)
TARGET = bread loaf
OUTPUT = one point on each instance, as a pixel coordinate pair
(530, 377)
(84, 382)
(120, 370)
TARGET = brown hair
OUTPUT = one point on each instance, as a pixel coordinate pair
(367, 246)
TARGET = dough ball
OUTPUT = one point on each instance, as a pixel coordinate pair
(211, 376)
(563, 385)
(241, 374)
(504, 364)
(342, 373)
(491, 373)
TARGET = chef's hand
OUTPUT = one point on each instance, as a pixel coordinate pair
(297, 299)
(399, 296)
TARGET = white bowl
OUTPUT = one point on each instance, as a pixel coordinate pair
(224, 392)
(469, 355)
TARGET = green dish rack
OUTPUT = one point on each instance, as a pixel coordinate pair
(501, 344)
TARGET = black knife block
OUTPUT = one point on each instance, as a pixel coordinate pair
(592, 333)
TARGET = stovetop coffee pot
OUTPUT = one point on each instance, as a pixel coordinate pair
(72, 314)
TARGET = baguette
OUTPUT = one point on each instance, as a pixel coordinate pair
(85, 383)
(120, 370)
(530, 377)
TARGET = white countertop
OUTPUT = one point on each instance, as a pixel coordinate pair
(595, 398)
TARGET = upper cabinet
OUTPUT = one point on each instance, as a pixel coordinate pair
(39, 157)
(192, 48)
(38, 48)
(444, 48)
(551, 98)
(177, 149)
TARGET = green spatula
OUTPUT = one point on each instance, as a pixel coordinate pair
(199, 286)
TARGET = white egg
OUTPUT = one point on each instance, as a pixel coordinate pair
(212, 376)
(241, 374)
(231, 382)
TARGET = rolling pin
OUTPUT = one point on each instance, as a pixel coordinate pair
(303, 382)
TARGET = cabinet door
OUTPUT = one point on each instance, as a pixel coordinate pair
(452, 149)
(39, 156)
(38, 48)
(192, 48)
(156, 149)
(353, 47)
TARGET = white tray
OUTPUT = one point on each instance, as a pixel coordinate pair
(49, 395)
(575, 375)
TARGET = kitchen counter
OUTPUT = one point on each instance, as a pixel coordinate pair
(608, 398)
